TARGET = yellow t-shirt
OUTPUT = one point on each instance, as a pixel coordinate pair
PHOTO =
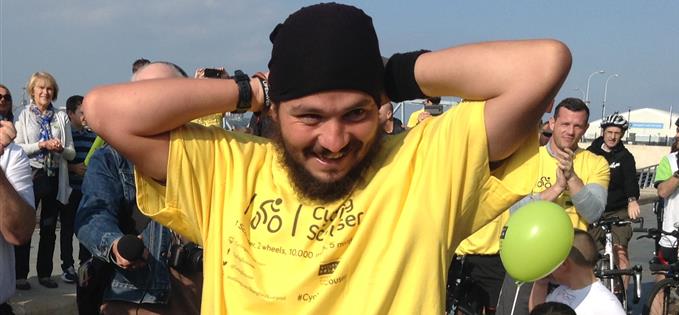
(412, 119)
(589, 167)
(385, 249)
(210, 120)
(485, 241)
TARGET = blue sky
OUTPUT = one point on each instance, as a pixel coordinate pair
(88, 43)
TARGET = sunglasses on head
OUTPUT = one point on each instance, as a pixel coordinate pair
(547, 134)
(6, 96)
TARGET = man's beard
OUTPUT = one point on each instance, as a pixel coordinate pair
(308, 186)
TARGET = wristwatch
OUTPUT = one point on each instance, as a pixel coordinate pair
(630, 199)
(244, 92)
(676, 174)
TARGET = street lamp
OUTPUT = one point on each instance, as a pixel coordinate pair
(603, 104)
(588, 79)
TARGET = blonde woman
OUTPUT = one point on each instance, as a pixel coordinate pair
(44, 133)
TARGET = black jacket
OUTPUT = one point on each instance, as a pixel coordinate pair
(623, 183)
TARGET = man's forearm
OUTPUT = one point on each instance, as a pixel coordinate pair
(538, 294)
(17, 217)
(590, 202)
(489, 71)
(667, 188)
(167, 104)
(575, 184)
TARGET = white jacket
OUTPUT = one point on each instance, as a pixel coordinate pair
(61, 129)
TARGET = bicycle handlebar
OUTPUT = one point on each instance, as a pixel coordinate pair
(607, 223)
(635, 271)
(653, 233)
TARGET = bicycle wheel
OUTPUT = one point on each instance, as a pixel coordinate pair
(664, 298)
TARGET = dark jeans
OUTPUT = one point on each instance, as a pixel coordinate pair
(45, 192)
(45, 189)
(67, 218)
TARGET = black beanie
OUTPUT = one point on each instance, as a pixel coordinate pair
(323, 47)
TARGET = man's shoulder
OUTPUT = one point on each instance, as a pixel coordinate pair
(624, 153)
(582, 154)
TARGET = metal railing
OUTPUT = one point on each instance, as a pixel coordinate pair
(646, 176)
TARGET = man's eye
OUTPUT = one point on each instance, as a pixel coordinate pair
(356, 115)
(309, 119)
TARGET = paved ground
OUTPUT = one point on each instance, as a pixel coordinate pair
(40, 300)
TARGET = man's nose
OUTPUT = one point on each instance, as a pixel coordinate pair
(333, 136)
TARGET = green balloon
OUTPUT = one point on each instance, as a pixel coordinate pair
(535, 241)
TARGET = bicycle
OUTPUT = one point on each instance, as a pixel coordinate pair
(457, 291)
(608, 271)
(666, 290)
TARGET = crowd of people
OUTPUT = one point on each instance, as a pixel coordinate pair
(326, 203)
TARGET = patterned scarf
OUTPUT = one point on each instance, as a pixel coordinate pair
(44, 120)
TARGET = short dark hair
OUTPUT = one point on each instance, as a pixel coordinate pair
(139, 63)
(434, 100)
(552, 308)
(573, 104)
(583, 252)
(73, 102)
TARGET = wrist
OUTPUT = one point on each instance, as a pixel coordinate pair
(572, 180)
(257, 102)
(631, 199)
(244, 84)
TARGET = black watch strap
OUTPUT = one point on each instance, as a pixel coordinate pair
(244, 92)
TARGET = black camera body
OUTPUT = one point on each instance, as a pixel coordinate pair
(186, 258)
(434, 110)
(213, 73)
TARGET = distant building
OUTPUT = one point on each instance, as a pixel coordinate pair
(647, 126)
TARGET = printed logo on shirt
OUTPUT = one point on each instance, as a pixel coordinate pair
(326, 269)
(326, 222)
(544, 182)
(614, 165)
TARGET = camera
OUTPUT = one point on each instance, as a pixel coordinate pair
(213, 73)
(186, 258)
(434, 110)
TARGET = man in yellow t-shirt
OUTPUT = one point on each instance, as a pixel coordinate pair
(419, 115)
(570, 176)
(328, 217)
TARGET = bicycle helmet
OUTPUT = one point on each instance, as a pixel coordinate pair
(616, 120)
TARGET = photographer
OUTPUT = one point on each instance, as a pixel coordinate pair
(139, 266)
(431, 107)
(215, 119)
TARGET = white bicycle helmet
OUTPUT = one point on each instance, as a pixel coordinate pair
(616, 120)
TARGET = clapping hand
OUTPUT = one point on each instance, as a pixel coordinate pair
(7, 134)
